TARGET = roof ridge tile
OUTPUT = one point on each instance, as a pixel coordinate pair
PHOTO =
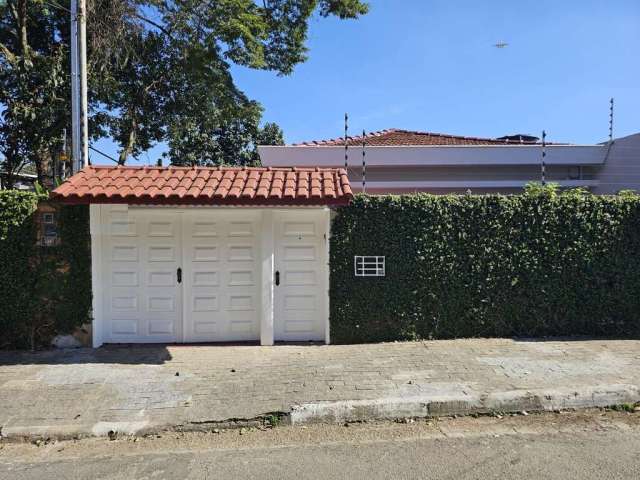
(406, 137)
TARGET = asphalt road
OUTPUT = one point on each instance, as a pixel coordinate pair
(584, 446)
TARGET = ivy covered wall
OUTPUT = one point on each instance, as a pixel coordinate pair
(537, 264)
(44, 290)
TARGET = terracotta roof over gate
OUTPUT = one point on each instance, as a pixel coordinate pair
(206, 186)
(395, 137)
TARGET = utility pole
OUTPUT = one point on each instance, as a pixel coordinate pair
(79, 108)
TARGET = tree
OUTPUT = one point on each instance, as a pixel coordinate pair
(33, 93)
(159, 71)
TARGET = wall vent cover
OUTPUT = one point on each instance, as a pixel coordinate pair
(369, 266)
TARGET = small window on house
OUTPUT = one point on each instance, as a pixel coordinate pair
(369, 266)
(574, 173)
(49, 230)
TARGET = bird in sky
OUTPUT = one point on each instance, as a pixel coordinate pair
(501, 44)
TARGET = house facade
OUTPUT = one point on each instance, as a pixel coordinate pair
(208, 254)
(402, 161)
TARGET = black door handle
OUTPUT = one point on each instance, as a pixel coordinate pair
(277, 278)
(179, 275)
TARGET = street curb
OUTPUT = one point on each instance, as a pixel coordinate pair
(113, 430)
(386, 408)
(513, 401)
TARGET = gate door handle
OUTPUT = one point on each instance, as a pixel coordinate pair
(179, 275)
(277, 278)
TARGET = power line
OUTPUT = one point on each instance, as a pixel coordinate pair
(103, 154)
(56, 5)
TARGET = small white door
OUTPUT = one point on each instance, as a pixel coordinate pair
(221, 275)
(141, 254)
(301, 263)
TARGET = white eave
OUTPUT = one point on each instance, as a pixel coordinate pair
(432, 155)
(418, 185)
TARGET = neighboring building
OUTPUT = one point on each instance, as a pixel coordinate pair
(402, 161)
(208, 254)
(21, 180)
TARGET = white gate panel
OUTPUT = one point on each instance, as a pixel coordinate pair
(141, 252)
(300, 294)
(221, 275)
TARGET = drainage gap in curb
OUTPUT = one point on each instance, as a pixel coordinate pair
(264, 421)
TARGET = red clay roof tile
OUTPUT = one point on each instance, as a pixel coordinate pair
(206, 186)
(397, 137)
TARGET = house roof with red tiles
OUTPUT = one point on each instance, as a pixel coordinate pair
(396, 137)
(206, 186)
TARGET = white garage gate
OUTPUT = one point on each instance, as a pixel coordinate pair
(196, 274)
(172, 275)
(193, 254)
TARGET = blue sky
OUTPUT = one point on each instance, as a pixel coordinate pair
(430, 65)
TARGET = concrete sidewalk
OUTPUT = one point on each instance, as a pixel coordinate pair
(145, 389)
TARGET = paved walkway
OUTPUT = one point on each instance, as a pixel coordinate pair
(150, 388)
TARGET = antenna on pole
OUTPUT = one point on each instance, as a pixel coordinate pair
(364, 163)
(543, 172)
(346, 141)
(611, 120)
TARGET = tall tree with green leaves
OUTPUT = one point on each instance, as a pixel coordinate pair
(33, 93)
(159, 71)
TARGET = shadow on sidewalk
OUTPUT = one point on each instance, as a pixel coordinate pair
(156, 354)
(122, 354)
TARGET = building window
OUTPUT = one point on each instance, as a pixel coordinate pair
(369, 266)
(574, 173)
(49, 229)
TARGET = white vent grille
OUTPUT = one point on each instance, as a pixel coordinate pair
(368, 266)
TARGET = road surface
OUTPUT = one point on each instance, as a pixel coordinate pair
(591, 445)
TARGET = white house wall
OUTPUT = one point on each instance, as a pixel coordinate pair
(621, 171)
(453, 179)
(404, 156)
(450, 169)
(602, 168)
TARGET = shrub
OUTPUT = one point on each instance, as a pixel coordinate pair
(540, 264)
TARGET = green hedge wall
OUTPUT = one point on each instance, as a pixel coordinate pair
(74, 304)
(17, 266)
(537, 264)
(43, 290)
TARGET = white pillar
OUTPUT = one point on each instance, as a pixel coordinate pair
(95, 229)
(327, 272)
(267, 277)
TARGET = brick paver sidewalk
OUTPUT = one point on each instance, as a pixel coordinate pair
(142, 388)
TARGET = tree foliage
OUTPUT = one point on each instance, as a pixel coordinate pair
(159, 71)
(33, 93)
